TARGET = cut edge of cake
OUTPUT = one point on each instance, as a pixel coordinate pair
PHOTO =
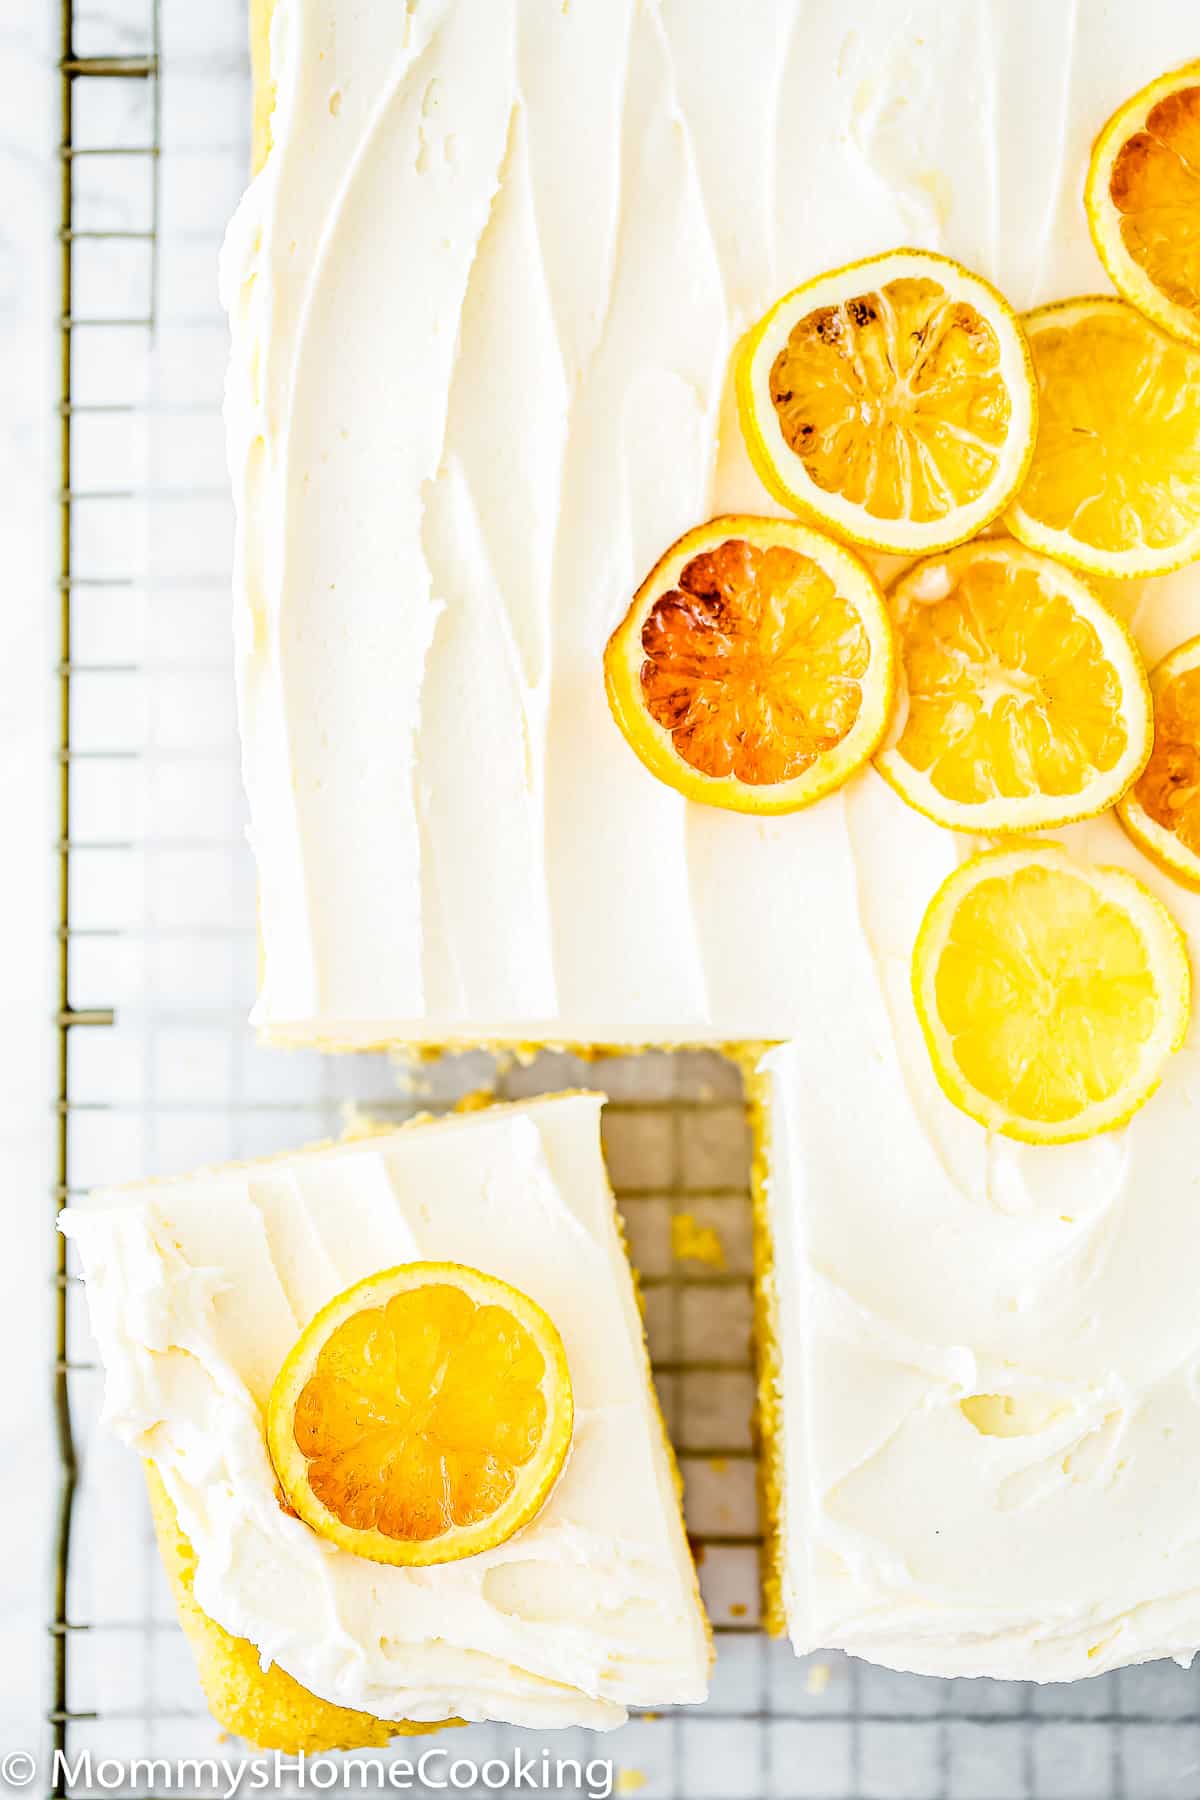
(767, 1352)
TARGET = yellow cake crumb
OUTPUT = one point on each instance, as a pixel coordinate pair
(478, 1100)
(629, 1781)
(817, 1677)
(693, 1242)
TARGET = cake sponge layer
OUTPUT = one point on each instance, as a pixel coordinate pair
(266, 1707)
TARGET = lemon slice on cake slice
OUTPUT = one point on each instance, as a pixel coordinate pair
(755, 668)
(1114, 487)
(892, 400)
(1050, 992)
(1161, 812)
(1023, 702)
(423, 1416)
(1143, 200)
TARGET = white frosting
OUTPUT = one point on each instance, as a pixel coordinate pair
(920, 1262)
(484, 299)
(197, 1289)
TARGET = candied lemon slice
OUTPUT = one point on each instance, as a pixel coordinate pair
(1114, 487)
(1022, 700)
(1050, 992)
(1161, 812)
(1143, 200)
(892, 400)
(755, 667)
(422, 1416)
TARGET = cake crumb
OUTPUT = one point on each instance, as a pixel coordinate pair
(629, 1781)
(817, 1677)
(718, 1464)
(737, 1609)
(478, 1100)
(693, 1242)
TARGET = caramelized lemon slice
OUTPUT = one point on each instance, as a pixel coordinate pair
(1114, 487)
(1023, 701)
(1162, 812)
(422, 1416)
(755, 668)
(1050, 992)
(892, 400)
(1143, 200)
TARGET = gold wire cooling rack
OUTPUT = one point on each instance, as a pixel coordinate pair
(156, 1070)
(74, 69)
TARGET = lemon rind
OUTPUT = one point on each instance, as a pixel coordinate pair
(1160, 845)
(1124, 565)
(1004, 816)
(652, 743)
(529, 1496)
(769, 452)
(1154, 840)
(1127, 275)
(1170, 960)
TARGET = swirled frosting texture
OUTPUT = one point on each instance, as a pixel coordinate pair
(484, 297)
(197, 1289)
(989, 1443)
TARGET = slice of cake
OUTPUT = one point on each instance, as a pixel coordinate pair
(982, 1355)
(198, 1287)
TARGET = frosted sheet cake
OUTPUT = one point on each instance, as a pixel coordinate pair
(197, 1287)
(486, 296)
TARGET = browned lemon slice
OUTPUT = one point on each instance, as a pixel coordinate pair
(1023, 702)
(892, 400)
(1143, 200)
(1161, 812)
(754, 669)
(423, 1415)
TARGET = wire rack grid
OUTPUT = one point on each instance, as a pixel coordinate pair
(157, 1071)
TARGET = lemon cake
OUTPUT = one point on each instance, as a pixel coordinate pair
(309, 1636)
(787, 305)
